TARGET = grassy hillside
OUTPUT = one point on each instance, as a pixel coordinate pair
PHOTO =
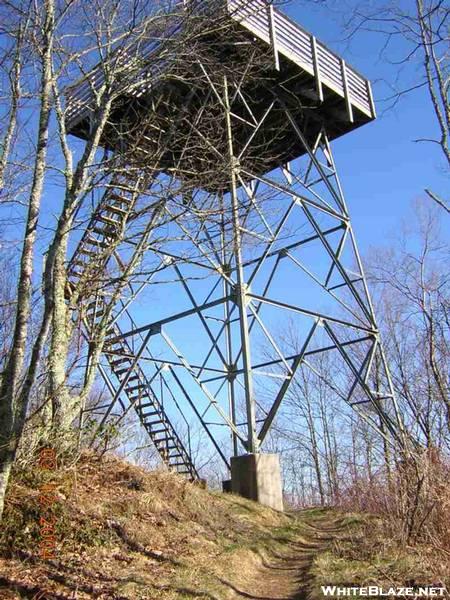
(124, 533)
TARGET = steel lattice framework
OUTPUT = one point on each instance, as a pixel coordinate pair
(277, 253)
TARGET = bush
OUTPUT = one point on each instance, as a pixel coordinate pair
(414, 499)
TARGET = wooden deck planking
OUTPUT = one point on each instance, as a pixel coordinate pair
(292, 42)
(297, 44)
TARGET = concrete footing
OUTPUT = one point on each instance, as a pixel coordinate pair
(226, 486)
(258, 477)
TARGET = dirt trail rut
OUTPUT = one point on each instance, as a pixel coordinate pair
(286, 576)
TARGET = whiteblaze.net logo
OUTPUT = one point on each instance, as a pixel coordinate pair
(375, 590)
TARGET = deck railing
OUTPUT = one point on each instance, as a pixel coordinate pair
(79, 96)
(272, 26)
(293, 42)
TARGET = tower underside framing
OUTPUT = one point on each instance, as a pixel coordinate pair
(251, 273)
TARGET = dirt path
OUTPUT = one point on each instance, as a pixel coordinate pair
(286, 576)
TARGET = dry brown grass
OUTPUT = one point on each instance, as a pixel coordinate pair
(365, 553)
(399, 534)
(127, 533)
(414, 501)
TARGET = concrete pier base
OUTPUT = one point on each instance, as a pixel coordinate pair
(226, 486)
(258, 477)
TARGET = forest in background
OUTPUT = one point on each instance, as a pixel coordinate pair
(329, 457)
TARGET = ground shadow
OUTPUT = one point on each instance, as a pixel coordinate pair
(287, 576)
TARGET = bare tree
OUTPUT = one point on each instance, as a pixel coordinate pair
(121, 50)
(412, 281)
(7, 306)
(421, 30)
(330, 449)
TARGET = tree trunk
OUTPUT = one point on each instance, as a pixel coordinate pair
(315, 451)
(12, 404)
(6, 461)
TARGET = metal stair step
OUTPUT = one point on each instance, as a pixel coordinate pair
(138, 375)
(112, 347)
(113, 343)
(137, 399)
(80, 263)
(99, 243)
(94, 304)
(145, 415)
(140, 386)
(115, 209)
(102, 218)
(114, 354)
(106, 231)
(147, 405)
(99, 303)
(149, 414)
(111, 338)
(163, 440)
(141, 396)
(120, 372)
(120, 198)
(168, 445)
(120, 361)
(84, 250)
(94, 313)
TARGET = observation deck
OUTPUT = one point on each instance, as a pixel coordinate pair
(332, 92)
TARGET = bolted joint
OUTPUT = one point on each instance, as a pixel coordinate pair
(235, 164)
(252, 447)
(225, 269)
(241, 291)
(231, 372)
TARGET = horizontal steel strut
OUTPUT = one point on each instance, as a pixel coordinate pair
(88, 262)
(243, 148)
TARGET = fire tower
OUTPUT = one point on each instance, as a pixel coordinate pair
(224, 133)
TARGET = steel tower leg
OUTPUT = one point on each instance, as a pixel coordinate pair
(252, 443)
(280, 262)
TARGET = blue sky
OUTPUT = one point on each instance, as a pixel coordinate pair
(382, 169)
(382, 172)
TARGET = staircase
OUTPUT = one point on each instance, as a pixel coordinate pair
(104, 229)
(96, 246)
